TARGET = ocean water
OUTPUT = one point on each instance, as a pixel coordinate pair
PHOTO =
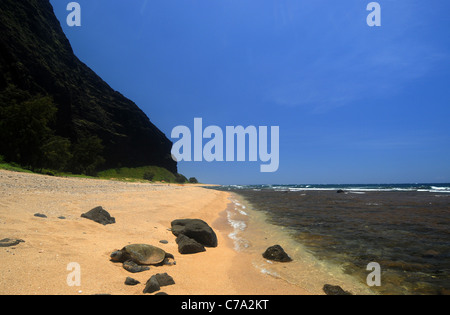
(403, 228)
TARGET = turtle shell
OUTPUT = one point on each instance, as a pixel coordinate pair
(145, 254)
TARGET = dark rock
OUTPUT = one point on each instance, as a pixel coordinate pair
(161, 293)
(40, 215)
(152, 285)
(334, 290)
(8, 242)
(164, 279)
(99, 215)
(340, 191)
(131, 281)
(196, 229)
(187, 245)
(61, 218)
(276, 253)
(430, 254)
(163, 242)
(157, 281)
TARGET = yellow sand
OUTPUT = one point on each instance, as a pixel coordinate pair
(143, 214)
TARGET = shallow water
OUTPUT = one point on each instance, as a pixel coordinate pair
(406, 232)
(252, 234)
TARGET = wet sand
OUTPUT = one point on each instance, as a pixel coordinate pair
(143, 213)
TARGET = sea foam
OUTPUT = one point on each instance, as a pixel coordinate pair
(238, 225)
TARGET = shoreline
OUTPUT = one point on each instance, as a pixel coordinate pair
(143, 213)
(246, 277)
(254, 234)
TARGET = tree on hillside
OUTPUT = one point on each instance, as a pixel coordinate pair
(24, 126)
(56, 153)
(87, 155)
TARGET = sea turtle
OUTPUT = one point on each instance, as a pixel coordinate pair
(134, 255)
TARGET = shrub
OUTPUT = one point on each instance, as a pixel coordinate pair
(148, 176)
(159, 173)
(193, 180)
(180, 179)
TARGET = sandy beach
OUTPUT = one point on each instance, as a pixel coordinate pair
(143, 213)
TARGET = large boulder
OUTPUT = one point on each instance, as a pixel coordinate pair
(196, 229)
(99, 215)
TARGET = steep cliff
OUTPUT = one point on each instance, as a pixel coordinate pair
(36, 57)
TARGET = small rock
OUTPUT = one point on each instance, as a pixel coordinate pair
(61, 218)
(430, 254)
(40, 215)
(131, 281)
(340, 191)
(276, 253)
(157, 281)
(164, 241)
(8, 242)
(99, 215)
(334, 290)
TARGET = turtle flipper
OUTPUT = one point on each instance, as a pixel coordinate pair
(166, 259)
(132, 267)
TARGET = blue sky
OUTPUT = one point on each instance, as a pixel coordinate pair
(355, 104)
